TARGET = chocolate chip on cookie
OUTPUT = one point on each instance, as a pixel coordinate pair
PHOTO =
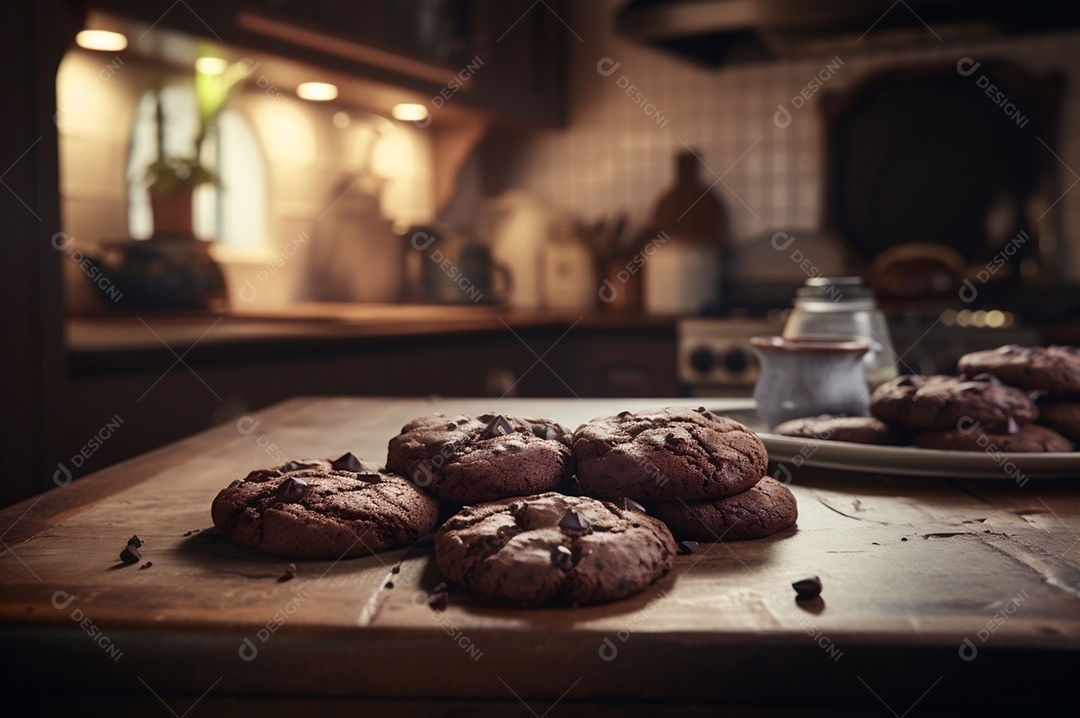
(855, 429)
(481, 458)
(939, 402)
(525, 550)
(291, 490)
(667, 455)
(762, 510)
(1053, 368)
(319, 511)
(347, 462)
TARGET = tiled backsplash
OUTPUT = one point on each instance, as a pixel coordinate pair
(618, 153)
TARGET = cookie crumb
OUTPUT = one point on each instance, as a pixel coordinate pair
(192, 532)
(388, 584)
(396, 568)
(290, 573)
(439, 601)
(148, 564)
(807, 588)
(131, 554)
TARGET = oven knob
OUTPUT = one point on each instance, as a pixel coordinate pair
(702, 360)
(736, 361)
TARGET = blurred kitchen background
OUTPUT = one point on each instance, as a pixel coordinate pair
(475, 197)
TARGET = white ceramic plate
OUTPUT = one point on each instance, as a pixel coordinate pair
(910, 461)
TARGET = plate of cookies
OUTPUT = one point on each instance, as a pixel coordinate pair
(1012, 413)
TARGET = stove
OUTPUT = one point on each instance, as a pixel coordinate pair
(715, 359)
(714, 355)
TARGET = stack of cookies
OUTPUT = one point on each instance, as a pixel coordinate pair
(522, 541)
(1010, 399)
(1051, 374)
(960, 412)
(702, 474)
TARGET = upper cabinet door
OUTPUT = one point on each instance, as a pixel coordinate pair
(505, 57)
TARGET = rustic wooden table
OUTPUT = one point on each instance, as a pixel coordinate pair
(941, 596)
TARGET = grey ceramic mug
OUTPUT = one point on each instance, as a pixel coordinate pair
(810, 376)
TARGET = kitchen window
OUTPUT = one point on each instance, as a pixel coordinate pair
(233, 213)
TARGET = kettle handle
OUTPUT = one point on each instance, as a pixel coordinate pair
(502, 282)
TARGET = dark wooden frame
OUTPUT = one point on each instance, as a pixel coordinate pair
(35, 35)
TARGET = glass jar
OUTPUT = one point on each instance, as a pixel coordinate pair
(842, 307)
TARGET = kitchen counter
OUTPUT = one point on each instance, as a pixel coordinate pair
(948, 596)
(107, 342)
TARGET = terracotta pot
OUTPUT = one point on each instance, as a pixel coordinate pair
(173, 213)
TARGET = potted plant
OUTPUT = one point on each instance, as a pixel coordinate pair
(173, 270)
(171, 180)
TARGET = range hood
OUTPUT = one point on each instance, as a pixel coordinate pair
(722, 32)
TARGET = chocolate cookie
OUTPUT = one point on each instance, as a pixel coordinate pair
(1029, 438)
(550, 547)
(323, 509)
(856, 429)
(1062, 414)
(1054, 368)
(939, 402)
(667, 455)
(481, 458)
(762, 510)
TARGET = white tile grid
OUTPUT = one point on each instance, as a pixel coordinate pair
(612, 158)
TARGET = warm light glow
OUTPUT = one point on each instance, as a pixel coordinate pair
(316, 91)
(409, 112)
(101, 40)
(211, 65)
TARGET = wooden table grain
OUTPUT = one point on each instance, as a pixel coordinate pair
(939, 595)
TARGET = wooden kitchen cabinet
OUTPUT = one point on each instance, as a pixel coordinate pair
(506, 58)
(626, 363)
(523, 45)
(157, 405)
